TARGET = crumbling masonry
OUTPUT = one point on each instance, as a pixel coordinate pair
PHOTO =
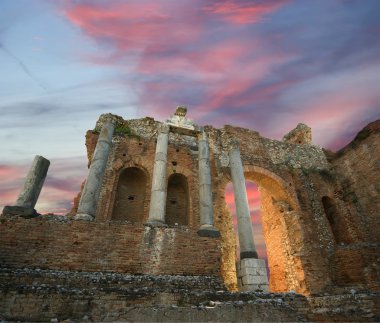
(154, 204)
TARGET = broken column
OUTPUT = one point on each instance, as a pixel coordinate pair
(158, 195)
(206, 208)
(28, 196)
(251, 272)
(90, 194)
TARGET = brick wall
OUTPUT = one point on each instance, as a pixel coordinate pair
(300, 177)
(358, 170)
(358, 173)
(60, 243)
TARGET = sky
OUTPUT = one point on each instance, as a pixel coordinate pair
(264, 65)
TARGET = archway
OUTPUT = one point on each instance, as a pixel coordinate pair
(130, 195)
(177, 200)
(254, 202)
(282, 233)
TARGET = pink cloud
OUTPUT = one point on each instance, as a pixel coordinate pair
(244, 12)
(134, 25)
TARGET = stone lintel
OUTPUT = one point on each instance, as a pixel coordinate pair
(184, 131)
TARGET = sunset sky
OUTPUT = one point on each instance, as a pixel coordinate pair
(264, 65)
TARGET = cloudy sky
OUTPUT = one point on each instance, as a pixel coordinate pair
(264, 65)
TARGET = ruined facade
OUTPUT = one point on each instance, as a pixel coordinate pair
(158, 208)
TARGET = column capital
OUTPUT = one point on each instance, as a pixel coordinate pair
(164, 128)
(233, 144)
(202, 135)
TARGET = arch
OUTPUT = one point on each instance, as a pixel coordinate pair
(177, 200)
(272, 183)
(130, 195)
(282, 230)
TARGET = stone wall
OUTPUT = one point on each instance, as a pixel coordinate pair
(316, 205)
(43, 295)
(55, 242)
(358, 172)
(357, 167)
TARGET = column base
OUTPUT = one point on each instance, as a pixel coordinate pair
(248, 254)
(208, 231)
(84, 217)
(155, 223)
(252, 275)
(24, 212)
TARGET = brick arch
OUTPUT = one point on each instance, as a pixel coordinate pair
(272, 182)
(192, 198)
(177, 200)
(282, 229)
(130, 195)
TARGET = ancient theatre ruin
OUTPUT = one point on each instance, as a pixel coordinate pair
(153, 209)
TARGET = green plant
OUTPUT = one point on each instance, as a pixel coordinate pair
(123, 130)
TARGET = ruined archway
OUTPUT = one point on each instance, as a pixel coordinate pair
(177, 200)
(254, 202)
(281, 230)
(130, 195)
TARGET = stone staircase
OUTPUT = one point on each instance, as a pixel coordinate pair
(30, 294)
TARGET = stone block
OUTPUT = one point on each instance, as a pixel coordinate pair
(252, 263)
(24, 212)
(259, 271)
(254, 280)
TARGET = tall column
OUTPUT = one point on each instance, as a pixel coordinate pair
(90, 194)
(28, 196)
(251, 272)
(158, 195)
(247, 245)
(206, 208)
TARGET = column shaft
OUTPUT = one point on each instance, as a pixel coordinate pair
(247, 246)
(33, 184)
(206, 207)
(90, 194)
(158, 195)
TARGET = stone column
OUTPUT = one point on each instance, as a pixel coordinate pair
(28, 196)
(90, 194)
(158, 195)
(247, 245)
(251, 272)
(206, 208)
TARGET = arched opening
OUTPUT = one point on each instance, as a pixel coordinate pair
(332, 215)
(280, 231)
(130, 195)
(177, 200)
(254, 202)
